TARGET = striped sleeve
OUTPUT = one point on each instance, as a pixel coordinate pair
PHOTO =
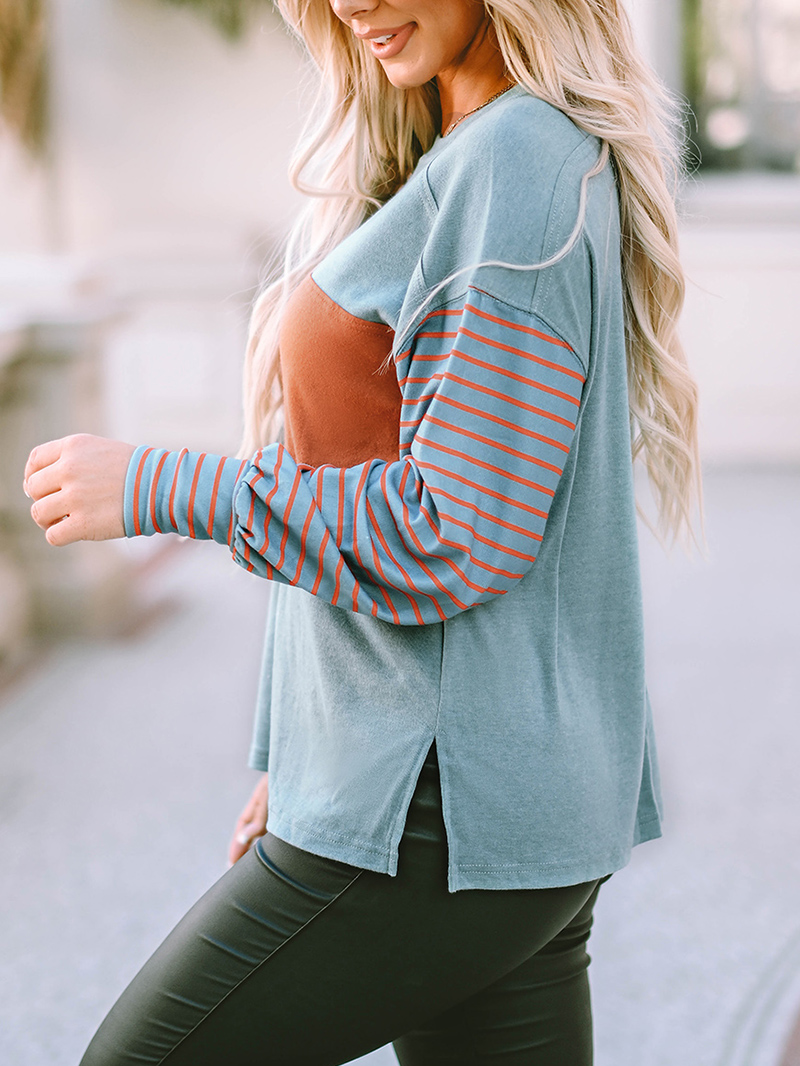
(491, 397)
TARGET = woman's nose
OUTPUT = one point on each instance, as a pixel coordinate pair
(350, 9)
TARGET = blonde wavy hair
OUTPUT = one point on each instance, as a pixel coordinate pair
(364, 138)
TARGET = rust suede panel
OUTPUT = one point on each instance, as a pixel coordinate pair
(340, 405)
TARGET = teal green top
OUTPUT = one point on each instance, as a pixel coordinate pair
(482, 589)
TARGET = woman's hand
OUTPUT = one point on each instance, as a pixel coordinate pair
(77, 485)
(252, 821)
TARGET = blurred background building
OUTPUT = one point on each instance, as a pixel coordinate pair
(143, 155)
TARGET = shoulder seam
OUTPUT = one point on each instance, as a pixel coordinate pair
(429, 190)
(547, 252)
(425, 193)
(535, 314)
(506, 303)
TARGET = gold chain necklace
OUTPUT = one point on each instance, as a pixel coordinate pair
(453, 125)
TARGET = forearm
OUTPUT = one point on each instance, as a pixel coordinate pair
(334, 532)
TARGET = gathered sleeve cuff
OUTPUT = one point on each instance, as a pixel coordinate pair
(189, 493)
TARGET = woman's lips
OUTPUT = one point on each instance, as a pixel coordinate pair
(394, 45)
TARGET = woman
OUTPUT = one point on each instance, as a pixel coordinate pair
(452, 707)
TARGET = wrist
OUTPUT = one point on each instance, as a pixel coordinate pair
(132, 492)
(189, 493)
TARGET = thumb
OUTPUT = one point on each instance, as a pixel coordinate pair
(249, 830)
(243, 838)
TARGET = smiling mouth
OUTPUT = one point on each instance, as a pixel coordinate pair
(390, 44)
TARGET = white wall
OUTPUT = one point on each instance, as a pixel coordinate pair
(656, 26)
(740, 248)
(24, 200)
(163, 132)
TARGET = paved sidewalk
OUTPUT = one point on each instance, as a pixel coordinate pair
(696, 947)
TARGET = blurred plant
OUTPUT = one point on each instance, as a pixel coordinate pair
(741, 75)
(230, 16)
(23, 71)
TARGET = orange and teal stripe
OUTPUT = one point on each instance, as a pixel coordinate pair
(491, 401)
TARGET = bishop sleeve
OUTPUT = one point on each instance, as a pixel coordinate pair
(490, 400)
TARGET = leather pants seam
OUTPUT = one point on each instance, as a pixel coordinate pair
(255, 969)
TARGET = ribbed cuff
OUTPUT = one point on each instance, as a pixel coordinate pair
(189, 493)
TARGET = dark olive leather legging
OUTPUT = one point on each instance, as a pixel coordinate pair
(291, 959)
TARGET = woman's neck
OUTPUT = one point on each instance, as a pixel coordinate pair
(479, 75)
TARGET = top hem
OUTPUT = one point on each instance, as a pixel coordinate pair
(258, 759)
(465, 876)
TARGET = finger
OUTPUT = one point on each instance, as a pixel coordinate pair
(238, 848)
(43, 482)
(254, 810)
(50, 509)
(67, 531)
(244, 840)
(244, 819)
(43, 455)
(250, 832)
(246, 815)
(236, 851)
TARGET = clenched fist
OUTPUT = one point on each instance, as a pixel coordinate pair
(77, 485)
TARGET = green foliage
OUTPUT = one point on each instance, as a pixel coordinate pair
(692, 12)
(229, 16)
(23, 71)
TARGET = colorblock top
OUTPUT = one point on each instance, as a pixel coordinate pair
(342, 402)
(452, 545)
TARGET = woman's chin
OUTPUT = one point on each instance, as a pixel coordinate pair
(404, 78)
